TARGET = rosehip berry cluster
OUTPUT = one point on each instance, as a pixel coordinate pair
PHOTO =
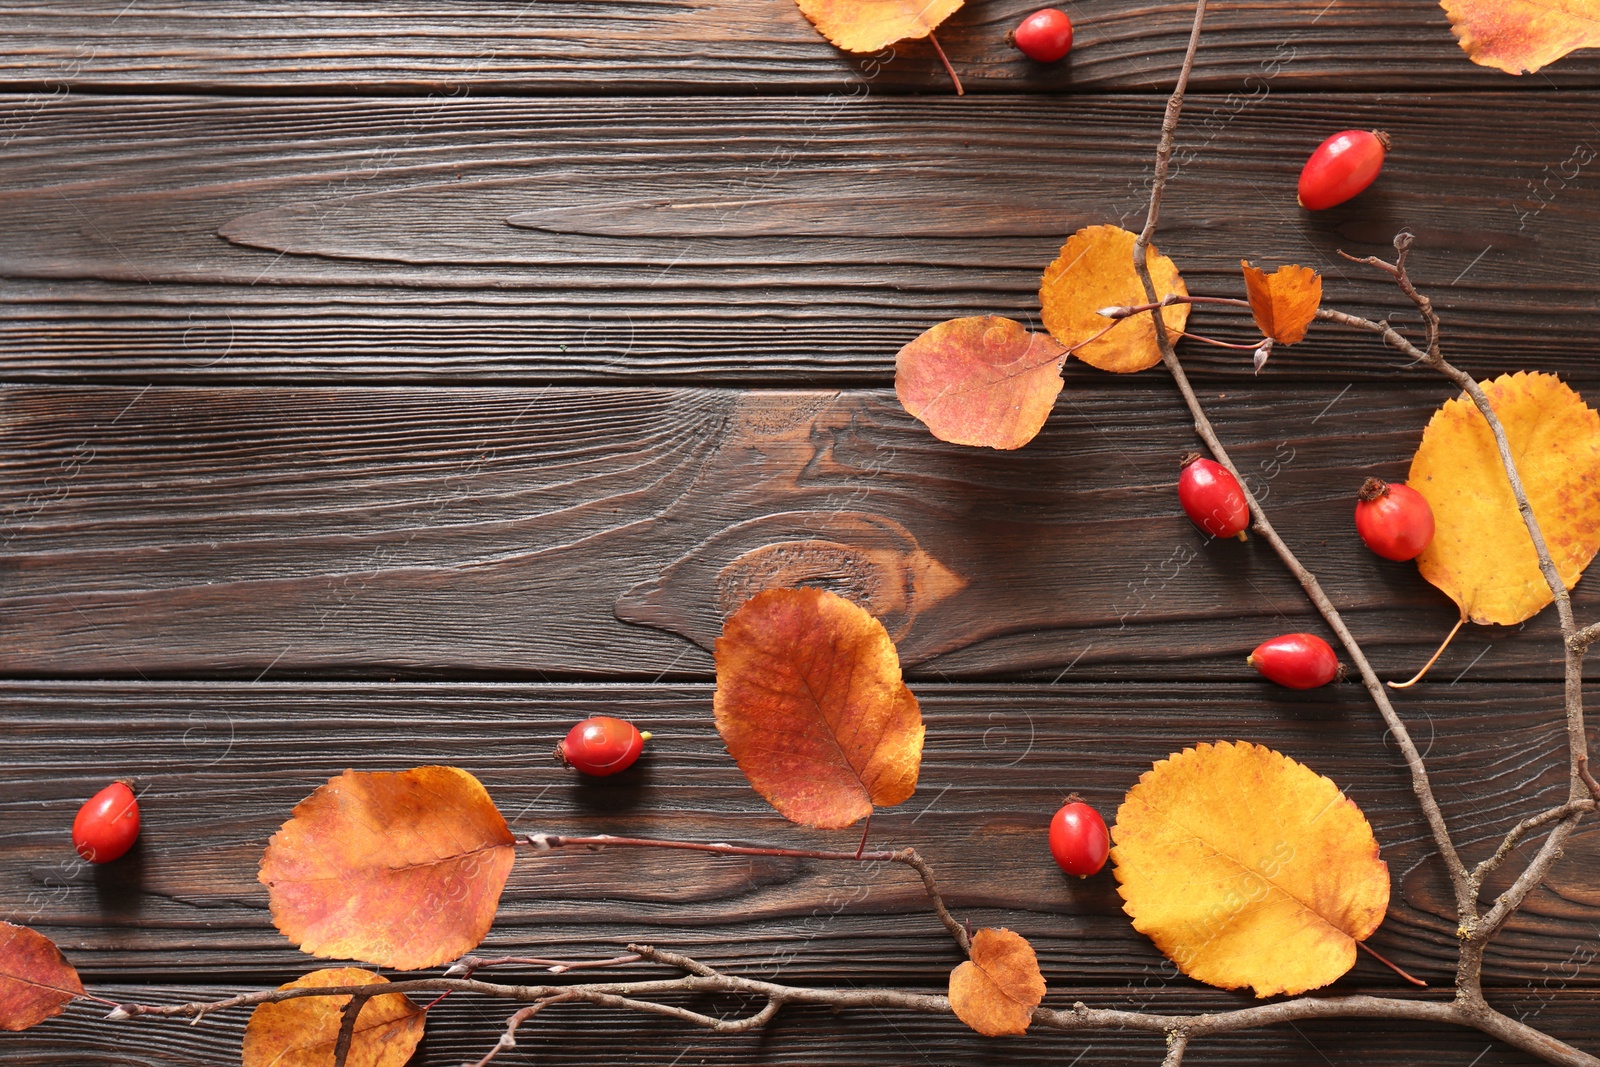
(601, 746)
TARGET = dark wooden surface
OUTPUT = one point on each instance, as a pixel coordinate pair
(397, 383)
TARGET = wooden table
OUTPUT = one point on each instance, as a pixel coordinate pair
(373, 399)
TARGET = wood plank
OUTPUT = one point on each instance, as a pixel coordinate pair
(606, 532)
(220, 765)
(675, 46)
(505, 241)
(461, 1030)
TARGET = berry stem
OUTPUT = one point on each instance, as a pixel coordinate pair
(1415, 678)
(947, 67)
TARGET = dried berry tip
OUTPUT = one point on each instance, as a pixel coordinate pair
(1188, 458)
(1373, 489)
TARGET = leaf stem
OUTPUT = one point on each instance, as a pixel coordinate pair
(948, 69)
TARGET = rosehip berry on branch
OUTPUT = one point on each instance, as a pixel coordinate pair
(601, 745)
(1298, 661)
(1078, 838)
(1394, 520)
(1341, 167)
(108, 823)
(1211, 497)
(1044, 36)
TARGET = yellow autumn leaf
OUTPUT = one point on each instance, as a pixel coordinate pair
(1248, 869)
(1093, 271)
(1481, 555)
(868, 25)
(304, 1032)
(996, 990)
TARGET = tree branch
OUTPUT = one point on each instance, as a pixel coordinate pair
(347, 1028)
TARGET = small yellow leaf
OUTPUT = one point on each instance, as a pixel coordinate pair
(1095, 270)
(868, 25)
(303, 1032)
(1481, 555)
(1248, 869)
(1284, 303)
(996, 991)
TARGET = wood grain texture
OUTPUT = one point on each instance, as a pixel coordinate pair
(607, 532)
(675, 46)
(220, 766)
(800, 241)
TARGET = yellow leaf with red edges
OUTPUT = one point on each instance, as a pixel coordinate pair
(1283, 303)
(399, 869)
(1248, 869)
(810, 703)
(868, 25)
(996, 990)
(303, 1032)
(36, 980)
(982, 380)
(1094, 271)
(1520, 36)
(1481, 554)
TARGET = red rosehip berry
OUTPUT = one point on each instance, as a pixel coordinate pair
(1298, 661)
(601, 745)
(1394, 520)
(108, 824)
(1078, 838)
(1341, 167)
(1044, 36)
(1211, 497)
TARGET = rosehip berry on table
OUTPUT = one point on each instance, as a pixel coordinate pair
(1211, 497)
(1341, 167)
(601, 745)
(108, 824)
(1078, 838)
(1298, 661)
(1044, 36)
(1394, 520)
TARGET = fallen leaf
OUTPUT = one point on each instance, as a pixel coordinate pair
(868, 25)
(35, 979)
(1481, 555)
(982, 380)
(303, 1032)
(1248, 869)
(1284, 303)
(1520, 36)
(810, 703)
(399, 869)
(1095, 270)
(996, 991)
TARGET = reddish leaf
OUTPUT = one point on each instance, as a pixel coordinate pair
(1283, 303)
(810, 703)
(398, 869)
(35, 979)
(982, 380)
(1520, 36)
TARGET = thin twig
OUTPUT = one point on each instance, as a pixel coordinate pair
(1177, 1041)
(508, 1039)
(1585, 637)
(1531, 823)
(467, 965)
(347, 1028)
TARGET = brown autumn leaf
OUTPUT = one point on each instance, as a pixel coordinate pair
(810, 703)
(996, 990)
(36, 980)
(1520, 36)
(1283, 303)
(400, 869)
(1248, 869)
(1481, 555)
(303, 1032)
(1093, 271)
(868, 25)
(982, 380)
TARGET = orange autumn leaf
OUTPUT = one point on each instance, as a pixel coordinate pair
(399, 869)
(1095, 270)
(1284, 303)
(1248, 869)
(1520, 36)
(996, 991)
(868, 25)
(1481, 555)
(810, 703)
(303, 1032)
(35, 979)
(982, 380)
